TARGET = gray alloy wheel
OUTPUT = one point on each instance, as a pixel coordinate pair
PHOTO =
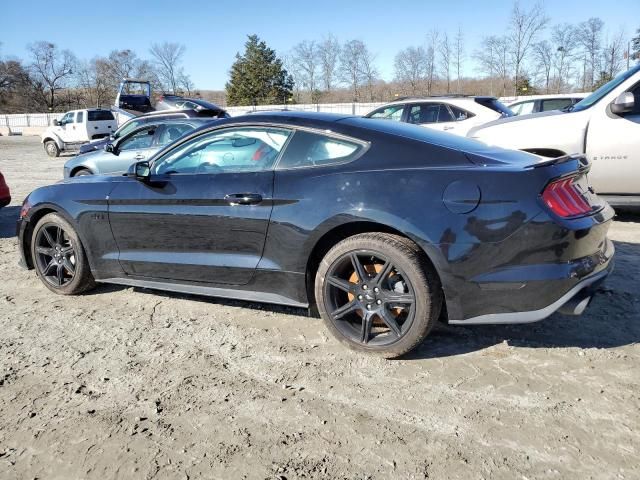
(82, 172)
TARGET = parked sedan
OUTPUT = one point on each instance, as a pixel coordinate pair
(5, 194)
(545, 103)
(139, 144)
(385, 227)
(132, 124)
(201, 107)
(454, 114)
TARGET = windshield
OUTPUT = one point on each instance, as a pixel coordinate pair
(603, 90)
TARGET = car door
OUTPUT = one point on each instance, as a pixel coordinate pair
(203, 214)
(64, 127)
(134, 147)
(613, 146)
(77, 131)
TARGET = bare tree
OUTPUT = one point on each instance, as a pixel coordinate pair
(121, 64)
(368, 68)
(563, 41)
(432, 45)
(328, 55)
(351, 70)
(613, 54)
(167, 58)
(50, 71)
(590, 37)
(305, 57)
(446, 52)
(524, 28)
(458, 55)
(543, 55)
(411, 67)
(493, 57)
(93, 79)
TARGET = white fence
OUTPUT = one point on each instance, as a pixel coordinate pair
(29, 119)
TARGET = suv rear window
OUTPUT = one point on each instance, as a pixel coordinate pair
(494, 105)
(99, 115)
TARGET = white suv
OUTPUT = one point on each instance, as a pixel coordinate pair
(453, 114)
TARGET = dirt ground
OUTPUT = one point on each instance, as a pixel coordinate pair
(130, 383)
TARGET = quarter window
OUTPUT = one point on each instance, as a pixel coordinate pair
(80, 117)
(307, 149)
(459, 113)
(228, 150)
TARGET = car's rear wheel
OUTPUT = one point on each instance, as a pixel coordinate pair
(82, 172)
(59, 257)
(51, 148)
(377, 293)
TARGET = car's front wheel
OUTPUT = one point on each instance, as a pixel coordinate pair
(51, 148)
(82, 172)
(377, 293)
(59, 257)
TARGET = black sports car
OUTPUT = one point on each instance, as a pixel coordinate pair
(385, 227)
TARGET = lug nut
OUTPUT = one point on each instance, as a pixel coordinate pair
(376, 289)
(359, 297)
(368, 307)
(379, 302)
(364, 287)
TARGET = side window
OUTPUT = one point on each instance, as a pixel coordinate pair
(444, 115)
(129, 127)
(247, 149)
(516, 108)
(392, 112)
(459, 113)
(555, 104)
(526, 107)
(68, 118)
(171, 132)
(636, 97)
(80, 117)
(307, 149)
(139, 140)
(424, 113)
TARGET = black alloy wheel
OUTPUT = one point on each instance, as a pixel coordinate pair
(59, 257)
(55, 255)
(369, 299)
(378, 293)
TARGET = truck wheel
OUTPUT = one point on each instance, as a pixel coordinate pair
(51, 148)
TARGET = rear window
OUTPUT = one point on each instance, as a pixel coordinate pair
(494, 105)
(99, 115)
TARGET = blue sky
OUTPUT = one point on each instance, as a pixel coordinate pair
(213, 31)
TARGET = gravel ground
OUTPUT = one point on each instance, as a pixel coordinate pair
(130, 383)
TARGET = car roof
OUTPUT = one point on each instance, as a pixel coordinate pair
(440, 98)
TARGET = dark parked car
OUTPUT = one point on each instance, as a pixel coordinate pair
(134, 123)
(386, 227)
(5, 194)
(201, 107)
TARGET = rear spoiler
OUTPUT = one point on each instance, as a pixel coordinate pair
(583, 161)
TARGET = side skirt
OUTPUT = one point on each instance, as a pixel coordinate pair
(251, 296)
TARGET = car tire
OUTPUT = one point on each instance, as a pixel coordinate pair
(403, 311)
(82, 172)
(59, 257)
(51, 148)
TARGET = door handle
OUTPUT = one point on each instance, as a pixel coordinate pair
(243, 199)
(448, 128)
(139, 157)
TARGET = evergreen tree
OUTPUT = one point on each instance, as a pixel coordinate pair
(258, 77)
(635, 46)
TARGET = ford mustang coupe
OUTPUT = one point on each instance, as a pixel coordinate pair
(384, 227)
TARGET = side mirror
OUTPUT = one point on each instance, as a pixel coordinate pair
(624, 103)
(140, 170)
(57, 123)
(112, 148)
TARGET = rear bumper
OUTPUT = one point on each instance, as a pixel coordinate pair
(569, 290)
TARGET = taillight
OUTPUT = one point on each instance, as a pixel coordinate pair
(564, 199)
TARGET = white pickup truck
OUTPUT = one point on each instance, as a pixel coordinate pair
(605, 126)
(76, 128)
